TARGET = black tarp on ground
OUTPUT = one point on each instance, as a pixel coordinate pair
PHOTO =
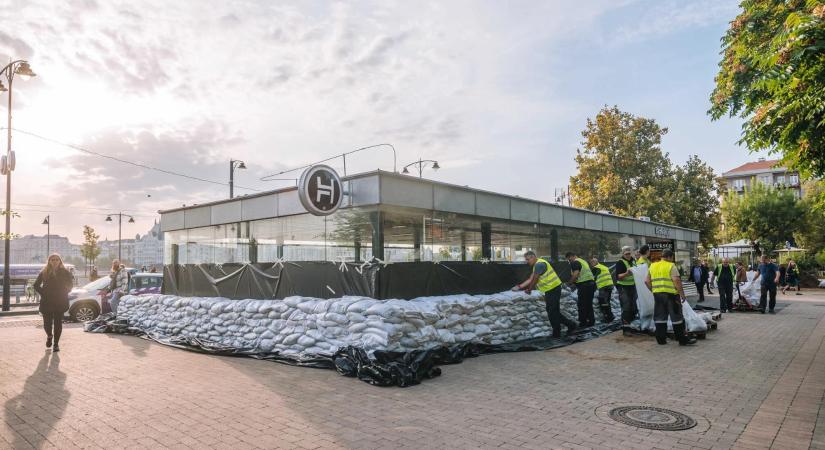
(334, 280)
(384, 368)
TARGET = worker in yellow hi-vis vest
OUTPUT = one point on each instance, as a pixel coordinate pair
(582, 277)
(604, 284)
(664, 280)
(545, 279)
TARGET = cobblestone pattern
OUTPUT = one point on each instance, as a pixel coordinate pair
(112, 391)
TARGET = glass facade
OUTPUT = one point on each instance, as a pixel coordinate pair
(401, 234)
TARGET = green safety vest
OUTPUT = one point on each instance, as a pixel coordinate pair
(585, 274)
(660, 277)
(642, 260)
(604, 279)
(732, 271)
(549, 280)
(627, 281)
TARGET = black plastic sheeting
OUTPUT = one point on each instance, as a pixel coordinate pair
(333, 280)
(384, 368)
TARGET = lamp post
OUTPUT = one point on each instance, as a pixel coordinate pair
(17, 67)
(47, 222)
(119, 228)
(421, 164)
(234, 164)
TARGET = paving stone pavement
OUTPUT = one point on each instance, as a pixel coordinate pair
(112, 391)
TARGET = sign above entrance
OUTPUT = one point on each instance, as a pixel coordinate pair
(659, 246)
(320, 190)
(661, 231)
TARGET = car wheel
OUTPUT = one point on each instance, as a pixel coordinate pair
(84, 313)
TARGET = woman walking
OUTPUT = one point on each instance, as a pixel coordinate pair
(53, 284)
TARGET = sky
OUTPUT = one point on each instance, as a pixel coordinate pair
(497, 92)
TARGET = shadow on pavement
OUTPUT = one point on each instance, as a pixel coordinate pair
(40, 405)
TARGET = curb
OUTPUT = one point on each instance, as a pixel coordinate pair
(19, 313)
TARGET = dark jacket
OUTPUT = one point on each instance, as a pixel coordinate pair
(54, 291)
(705, 274)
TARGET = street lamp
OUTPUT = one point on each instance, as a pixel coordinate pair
(421, 164)
(119, 228)
(17, 67)
(234, 164)
(48, 234)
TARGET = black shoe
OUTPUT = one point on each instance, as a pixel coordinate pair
(571, 329)
(772, 312)
(48, 342)
(798, 293)
(56, 348)
(688, 340)
(762, 311)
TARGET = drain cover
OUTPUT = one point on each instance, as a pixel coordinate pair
(652, 418)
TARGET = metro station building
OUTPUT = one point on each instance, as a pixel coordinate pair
(399, 218)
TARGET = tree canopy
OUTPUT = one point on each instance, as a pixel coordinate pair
(763, 214)
(772, 75)
(622, 169)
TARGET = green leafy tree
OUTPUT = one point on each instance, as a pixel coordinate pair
(772, 75)
(812, 235)
(620, 164)
(622, 169)
(90, 249)
(764, 214)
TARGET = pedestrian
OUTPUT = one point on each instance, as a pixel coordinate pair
(626, 286)
(782, 282)
(582, 277)
(118, 285)
(792, 278)
(53, 283)
(725, 277)
(711, 277)
(604, 284)
(643, 253)
(696, 276)
(668, 296)
(143, 269)
(545, 279)
(741, 277)
(769, 276)
(706, 275)
(93, 275)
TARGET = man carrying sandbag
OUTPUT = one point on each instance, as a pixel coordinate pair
(604, 284)
(545, 279)
(582, 277)
(666, 284)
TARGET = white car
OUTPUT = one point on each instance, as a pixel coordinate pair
(84, 302)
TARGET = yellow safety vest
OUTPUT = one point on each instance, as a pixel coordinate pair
(549, 280)
(585, 274)
(604, 279)
(660, 277)
(643, 260)
(627, 281)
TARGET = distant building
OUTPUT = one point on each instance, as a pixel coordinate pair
(149, 248)
(31, 249)
(767, 172)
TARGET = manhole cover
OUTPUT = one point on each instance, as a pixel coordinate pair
(652, 418)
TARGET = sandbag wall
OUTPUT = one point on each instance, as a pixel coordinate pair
(303, 327)
(320, 279)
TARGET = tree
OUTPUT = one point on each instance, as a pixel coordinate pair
(622, 169)
(772, 75)
(763, 214)
(89, 249)
(811, 236)
(620, 164)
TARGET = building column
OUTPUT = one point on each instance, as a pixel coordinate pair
(486, 240)
(377, 223)
(554, 244)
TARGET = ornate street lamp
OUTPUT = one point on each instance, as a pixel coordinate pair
(119, 228)
(234, 164)
(19, 67)
(421, 164)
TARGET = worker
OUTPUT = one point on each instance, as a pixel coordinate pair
(582, 277)
(768, 274)
(643, 258)
(668, 296)
(604, 284)
(626, 286)
(725, 277)
(545, 279)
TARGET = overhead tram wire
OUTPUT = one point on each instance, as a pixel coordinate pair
(342, 155)
(124, 161)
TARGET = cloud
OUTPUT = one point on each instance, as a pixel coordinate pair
(670, 17)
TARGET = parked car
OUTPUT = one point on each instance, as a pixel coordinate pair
(88, 302)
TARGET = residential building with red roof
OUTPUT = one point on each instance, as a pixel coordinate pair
(769, 172)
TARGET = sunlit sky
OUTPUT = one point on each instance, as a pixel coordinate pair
(497, 92)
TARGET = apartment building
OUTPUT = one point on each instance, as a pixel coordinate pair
(768, 172)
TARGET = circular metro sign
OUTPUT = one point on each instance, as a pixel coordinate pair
(320, 190)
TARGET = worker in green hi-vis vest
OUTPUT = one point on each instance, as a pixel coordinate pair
(604, 284)
(582, 277)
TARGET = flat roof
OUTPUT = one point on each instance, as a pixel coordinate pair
(381, 187)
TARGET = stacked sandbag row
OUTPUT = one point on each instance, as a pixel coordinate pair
(302, 325)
